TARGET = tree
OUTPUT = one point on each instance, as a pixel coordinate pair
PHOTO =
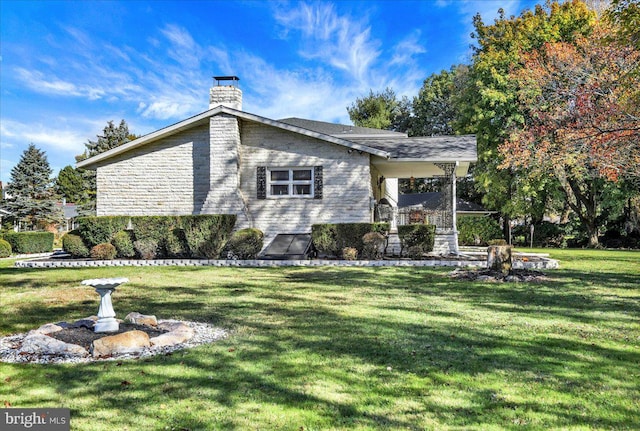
(578, 124)
(111, 137)
(69, 184)
(492, 106)
(381, 111)
(436, 109)
(32, 196)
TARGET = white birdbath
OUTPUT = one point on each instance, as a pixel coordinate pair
(106, 316)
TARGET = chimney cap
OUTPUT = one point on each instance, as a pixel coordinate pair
(233, 79)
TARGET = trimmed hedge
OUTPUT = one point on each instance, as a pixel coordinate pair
(331, 239)
(197, 236)
(5, 248)
(123, 243)
(30, 242)
(72, 243)
(416, 239)
(478, 230)
(244, 244)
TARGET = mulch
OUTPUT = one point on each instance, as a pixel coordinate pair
(84, 336)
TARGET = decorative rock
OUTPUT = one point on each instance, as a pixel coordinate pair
(178, 333)
(127, 342)
(47, 328)
(172, 338)
(36, 343)
(141, 319)
(172, 325)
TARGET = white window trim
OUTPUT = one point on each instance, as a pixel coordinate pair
(291, 182)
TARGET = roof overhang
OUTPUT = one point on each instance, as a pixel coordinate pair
(203, 118)
(417, 168)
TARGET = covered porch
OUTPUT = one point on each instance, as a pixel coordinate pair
(446, 158)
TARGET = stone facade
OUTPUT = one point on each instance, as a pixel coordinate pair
(212, 169)
(346, 186)
(166, 177)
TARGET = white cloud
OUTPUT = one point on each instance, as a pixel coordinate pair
(42, 135)
(341, 41)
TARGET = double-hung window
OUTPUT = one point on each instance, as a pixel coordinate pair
(290, 182)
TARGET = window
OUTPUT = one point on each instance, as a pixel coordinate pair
(290, 182)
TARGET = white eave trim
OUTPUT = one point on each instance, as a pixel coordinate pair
(185, 124)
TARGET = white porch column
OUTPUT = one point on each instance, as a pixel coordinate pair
(391, 194)
(447, 243)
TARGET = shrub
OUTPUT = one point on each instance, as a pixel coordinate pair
(349, 253)
(330, 239)
(244, 244)
(175, 244)
(160, 236)
(146, 248)
(30, 242)
(98, 230)
(474, 230)
(206, 235)
(104, 251)
(417, 238)
(123, 243)
(73, 244)
(373, 245)
(5, 248)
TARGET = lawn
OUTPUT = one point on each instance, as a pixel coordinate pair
(348, 348)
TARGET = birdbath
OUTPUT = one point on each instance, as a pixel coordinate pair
(106, 316)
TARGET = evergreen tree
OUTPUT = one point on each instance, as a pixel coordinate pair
(69, 184)
(32, 198)
(111, 137)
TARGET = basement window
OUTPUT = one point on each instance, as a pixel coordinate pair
(290, 182)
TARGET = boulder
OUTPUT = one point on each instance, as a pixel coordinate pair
(178, 333)
(37, 343)
(141, 319)
(173, 325)
(127, 342)
(47, 328)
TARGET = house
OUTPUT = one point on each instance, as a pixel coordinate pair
(280, 176)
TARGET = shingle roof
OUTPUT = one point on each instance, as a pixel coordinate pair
(436, 148)
(339, 130)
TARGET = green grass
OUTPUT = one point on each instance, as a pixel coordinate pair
(348, 348)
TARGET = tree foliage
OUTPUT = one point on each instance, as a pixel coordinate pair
(381, 111)
(579, 126)
(110, 138)
(492, 106)
(32, 198)
(436, 108)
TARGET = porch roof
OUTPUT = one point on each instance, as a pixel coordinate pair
(428, 149)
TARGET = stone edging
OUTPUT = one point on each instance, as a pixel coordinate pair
(545, 263)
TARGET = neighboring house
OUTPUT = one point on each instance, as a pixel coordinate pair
(70, 214)
(280, 176)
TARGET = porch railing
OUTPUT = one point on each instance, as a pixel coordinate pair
(405, 216)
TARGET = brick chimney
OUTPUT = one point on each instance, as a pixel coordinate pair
(225, 92)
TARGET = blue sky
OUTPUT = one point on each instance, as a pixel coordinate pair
(66, 68)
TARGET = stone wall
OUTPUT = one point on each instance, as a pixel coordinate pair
(168, 177)
(346, 181)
